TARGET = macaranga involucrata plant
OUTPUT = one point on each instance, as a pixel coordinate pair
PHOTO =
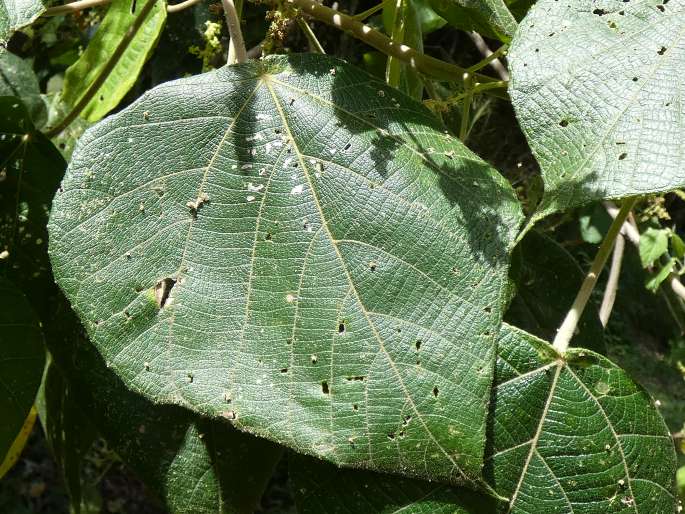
(293, 255)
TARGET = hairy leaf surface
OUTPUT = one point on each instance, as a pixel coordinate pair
(147, 22)
(22, 357)
(15, 14)
(297, 248)
(598, 91)
(575, 434)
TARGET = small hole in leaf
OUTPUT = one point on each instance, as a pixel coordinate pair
(599, 12)
(355, 406)
(391, 436)
(563, 123)
(284, 370)
(662, 51)
(436, 391)
(488, 310)
(163, 290)
(324, 387)
(341, 328)
(348, 146)
(622, 156)
(268, 236)
(418, 344)
(661, 8)
(635, 79)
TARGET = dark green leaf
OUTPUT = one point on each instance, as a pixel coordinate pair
(490, 18)
(597, 91)
(575, 434)
(18, 79)
(103, 48)
(296, 247)
(22, 357)
(547, 283)
(322, 488)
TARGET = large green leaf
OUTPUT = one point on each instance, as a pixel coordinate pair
(575, 434)
(490, 18)
(548, 279)
(22, 357)
(18, 79)
(300, 249)
(597, 89)
(321, 487)
(15, 14)
(103, 52)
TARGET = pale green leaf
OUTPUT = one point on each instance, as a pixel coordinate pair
(597, 89)
(654, 281)
(147, 22)
(15, 14)
(490, 18)
(287, 249)
(575, 434)
(678, 245)
(322, 488)
(22, 357)
(653, 244)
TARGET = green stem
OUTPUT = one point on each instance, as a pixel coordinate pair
(466, 108)
(236, 51)
(393, 68)
(104, 73)
(311, 37)
(363, 15)
(568, 327)
(502, 50)
(430, 66)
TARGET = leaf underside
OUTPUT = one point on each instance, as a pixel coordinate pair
(298, 248)
(597, 88)
(575, 434)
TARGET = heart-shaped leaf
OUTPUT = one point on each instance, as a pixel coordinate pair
(575, 434)
(296, 247)
(598, 91)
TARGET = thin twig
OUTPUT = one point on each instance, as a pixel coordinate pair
(568, 327)
(236, 52)
(311, 37)
(104, 73)
(631, 232)
(612, 283)
(80, 5)
(172, 8)
(491, 58)
(425, 64)
(73, 7)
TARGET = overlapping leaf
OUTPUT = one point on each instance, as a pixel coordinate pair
(17, 79)
(488, 17)
(105, 57)
(321, 487)
(575, 434)
(193, 464)
(22, 357)
(547, 281)
(598, 90)
(15, 14)
(297, 248)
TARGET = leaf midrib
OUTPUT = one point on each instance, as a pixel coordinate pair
(371, 325)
